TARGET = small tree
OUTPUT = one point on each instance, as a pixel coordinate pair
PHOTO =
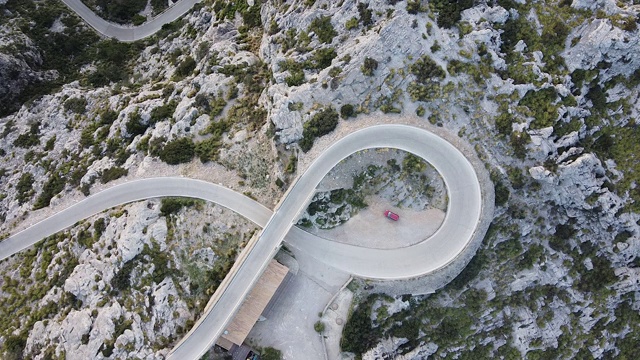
(370, 65)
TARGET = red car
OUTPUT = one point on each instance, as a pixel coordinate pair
(391, 215)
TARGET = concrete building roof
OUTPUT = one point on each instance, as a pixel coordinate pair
(254, 305)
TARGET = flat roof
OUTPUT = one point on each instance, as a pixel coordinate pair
(254, 304)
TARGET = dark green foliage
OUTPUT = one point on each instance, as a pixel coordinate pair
(358, 334)
(76, 105)
(599, 277)
(135, 126)
(270, 353)
(323, 29)
(542, 104)
(347, 111)
(412, 164)
(251, 16)
(504, 123)
(448, 10)
(296, 78)
(172, 205)
(322, 59)
(163, 112)
(30, 138)
(120, 11)
(369, 66)
(51, 188)
(320, 124)
(185, 68)
(99, 226)
(470, 271)
(560, 239)
(159, 5)
(14, 346)
(24, 188)
(122, 279)
(113, 173)
(502, 193)
(178, 151)
(598, 99)
(366, 14)
(426, 70)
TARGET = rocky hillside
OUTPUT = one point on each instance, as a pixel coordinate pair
(234, 92)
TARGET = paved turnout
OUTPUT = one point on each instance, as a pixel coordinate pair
(463, 214)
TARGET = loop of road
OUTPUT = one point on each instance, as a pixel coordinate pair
(458, 228)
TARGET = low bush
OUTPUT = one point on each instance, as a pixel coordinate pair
(426, 70)
(185, 68)
(30, 138)
(369, 66)
(178, 151)
(322, 123)
(24, 188)
(51, 188)
(323, 29)
(113, 173)
(77, 105)
(347, 111)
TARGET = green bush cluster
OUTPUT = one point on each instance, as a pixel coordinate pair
(77, 105)
(113, 173)
(322, 123)
(24, 188)
(30, 138)
(51, 188)
(426, 70)
(164, 112)
(542, 103)
(178, 151)
(185, 68)
(323, 29)
(347, 111)
(369, 66)
(172, 205)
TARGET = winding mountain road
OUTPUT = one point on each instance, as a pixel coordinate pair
(460, 223)
(130, 33)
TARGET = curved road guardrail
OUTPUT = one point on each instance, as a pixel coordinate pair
(458, 228)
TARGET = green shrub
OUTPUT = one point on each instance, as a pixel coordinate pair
(77, 105)
(323, 29)
(425, 70)
(322, 59)
(270, 353)
(351, 23)
(113, 173)
(366, 14)
(178, 151)
(296, 78)
(358, 334)
(135, 126)
(369, 66)
(319, 327)
(185, 68)
(30, 138)
(172, 205)
(25, 188)
(347, 111)
(51, 188)
(120, 11)
(163, 112)
(542, 105)
(322, 123)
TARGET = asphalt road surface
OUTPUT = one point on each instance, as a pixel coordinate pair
(463, 214)
(130, 33)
